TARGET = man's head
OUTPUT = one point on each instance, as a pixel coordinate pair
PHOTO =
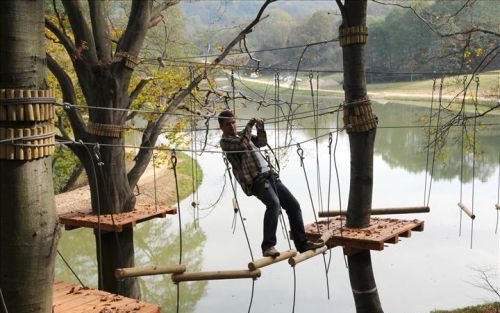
(227, 123)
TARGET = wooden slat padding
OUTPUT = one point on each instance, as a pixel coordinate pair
(114, 222)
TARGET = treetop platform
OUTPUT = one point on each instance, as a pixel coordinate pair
(114, 222)
(78, 299)
(380, 232)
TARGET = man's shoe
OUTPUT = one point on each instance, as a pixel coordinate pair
(309, 245)
(272, 252)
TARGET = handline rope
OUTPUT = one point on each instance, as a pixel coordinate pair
(435, 141)
(70, 268)
(300, 153)
(474, 161)
(462, 155)
(429, 139)
(154, 181)
(226, 162)
(99, 239)
(173, 159)
(4, 305)
(498, 193)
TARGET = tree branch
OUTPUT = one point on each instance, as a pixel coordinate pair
(63, 39)
(84, 41)
(137, 26)
(152, 132)
(100, 30)
(156, 13)
(69, 95)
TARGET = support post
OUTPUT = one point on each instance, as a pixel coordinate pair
(121, 273)
(214, 275)
(265, 261)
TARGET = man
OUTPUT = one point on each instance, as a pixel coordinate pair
(256, 178)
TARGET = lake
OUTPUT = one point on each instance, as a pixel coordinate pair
(438, 268)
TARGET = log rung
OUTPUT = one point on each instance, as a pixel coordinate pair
(215, 275)
(497, 206)
(121, 273)
(265, 261)
(306, 255)
(466, 210)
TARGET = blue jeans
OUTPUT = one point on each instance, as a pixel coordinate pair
(273, 193)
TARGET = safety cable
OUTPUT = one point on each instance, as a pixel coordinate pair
(173, 159)
(4, 305)
(70, 268)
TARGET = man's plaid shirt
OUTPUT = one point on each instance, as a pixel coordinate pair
(242, 155)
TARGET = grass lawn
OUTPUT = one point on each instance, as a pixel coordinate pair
(486, 308)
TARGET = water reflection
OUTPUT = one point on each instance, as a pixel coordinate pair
(435, 266)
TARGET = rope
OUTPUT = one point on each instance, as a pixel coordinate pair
(154, 182)
(476, 112)
(462, 155)
(4, 305)
(498, 193)
(173, 159)
(226, 161)
(70, 268)
(429, 140)
(435, 141)
(99, 236)
(300, 152)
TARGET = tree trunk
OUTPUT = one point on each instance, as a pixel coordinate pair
(29, 229)
(361, 127)
(113, 195)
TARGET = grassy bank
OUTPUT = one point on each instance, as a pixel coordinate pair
(485, 308)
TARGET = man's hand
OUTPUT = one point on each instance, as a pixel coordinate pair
(258, 121)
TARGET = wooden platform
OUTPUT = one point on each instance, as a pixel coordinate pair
(114, 222)
(77, 299)
(380, 232)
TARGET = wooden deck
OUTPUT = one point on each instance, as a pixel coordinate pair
(380, 232)
(114, 222)
(76, 299)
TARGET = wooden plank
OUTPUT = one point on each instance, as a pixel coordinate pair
(76, 299)
(374, 237)
(113, 222)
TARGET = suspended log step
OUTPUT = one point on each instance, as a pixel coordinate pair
(497, 206)
(216, 275)
(381, 211)
(121, 273)
(306, 255)
(466, 210)
(265, 261)
(78, 299)
(114, 222)
(374, 237)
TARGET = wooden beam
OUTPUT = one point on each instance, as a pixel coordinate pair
(121, 273)
(381, 211)
(306, 255)
(466, 210)
(214, 275)
(265, 261)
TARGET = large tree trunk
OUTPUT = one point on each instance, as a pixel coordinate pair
(361, 127)
(112, 195)
(29, 229)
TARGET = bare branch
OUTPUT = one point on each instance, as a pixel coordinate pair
(153, 130)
